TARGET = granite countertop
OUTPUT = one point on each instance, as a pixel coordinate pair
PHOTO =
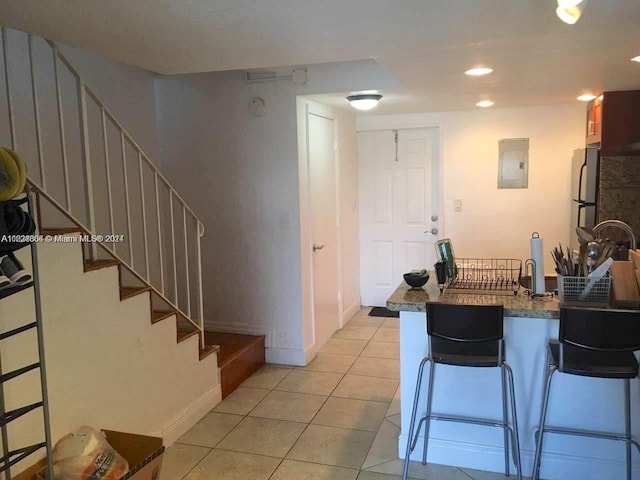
(405, 299)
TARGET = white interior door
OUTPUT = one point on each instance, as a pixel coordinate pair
(398, 202)
(324, 225)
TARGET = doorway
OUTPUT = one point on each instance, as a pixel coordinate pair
(399, 207)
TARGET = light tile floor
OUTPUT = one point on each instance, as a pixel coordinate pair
(336, 419)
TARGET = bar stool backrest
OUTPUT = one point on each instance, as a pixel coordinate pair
(600, 329)
(465, 323)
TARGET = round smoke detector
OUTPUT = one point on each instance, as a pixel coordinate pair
(257, 107)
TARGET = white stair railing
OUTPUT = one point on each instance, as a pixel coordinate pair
(164, 253)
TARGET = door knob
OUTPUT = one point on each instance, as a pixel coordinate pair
(433, 231)
(434, 218)
(317, 247)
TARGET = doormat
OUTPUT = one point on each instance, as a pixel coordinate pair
(383, 312)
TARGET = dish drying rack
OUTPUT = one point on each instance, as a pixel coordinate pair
(496, 276)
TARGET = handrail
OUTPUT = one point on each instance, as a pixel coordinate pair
(146, 190)
(70, 216)
(119, 126)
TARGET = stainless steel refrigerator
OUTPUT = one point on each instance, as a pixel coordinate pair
(604, 188)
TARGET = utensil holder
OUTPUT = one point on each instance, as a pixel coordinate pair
(571, 288)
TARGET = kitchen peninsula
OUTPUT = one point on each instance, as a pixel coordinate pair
(576, 402)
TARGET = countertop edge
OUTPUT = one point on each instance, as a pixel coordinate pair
(406, 299)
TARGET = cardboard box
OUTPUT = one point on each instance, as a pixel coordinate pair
(143, 453)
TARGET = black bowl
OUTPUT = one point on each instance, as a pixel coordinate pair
(415, 281)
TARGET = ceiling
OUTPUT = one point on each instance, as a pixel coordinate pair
(424, 44)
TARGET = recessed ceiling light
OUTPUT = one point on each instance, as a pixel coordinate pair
(636, 59)
(569, 11)
(364, 101)
(477, 72)
(485, 103)
(586, 97)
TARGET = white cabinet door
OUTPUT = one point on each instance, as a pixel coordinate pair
(398, 199)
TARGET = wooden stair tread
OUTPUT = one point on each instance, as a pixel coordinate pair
(60, 230)
(208, 350)
(158, 315)
(128, 292)
(232, 345)
(91, 265)
(184, 334)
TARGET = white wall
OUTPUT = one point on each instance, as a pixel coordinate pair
(107, 365)
(349, 213)
(499, 222)
(126, 90)
(240, 174)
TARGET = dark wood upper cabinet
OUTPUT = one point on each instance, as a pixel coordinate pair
(594, 121)
(613, 122)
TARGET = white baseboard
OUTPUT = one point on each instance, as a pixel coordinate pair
(289, 356)
(484, 457)
(350, 312)
(309, 353)
(242, 328)
(186, 419)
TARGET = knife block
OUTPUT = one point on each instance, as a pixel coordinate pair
(624, 285)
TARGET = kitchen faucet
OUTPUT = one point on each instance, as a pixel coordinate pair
(616, 223)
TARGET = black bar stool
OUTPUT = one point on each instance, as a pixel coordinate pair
(592, 343)
(468, 336)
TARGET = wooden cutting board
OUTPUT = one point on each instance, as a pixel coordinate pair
(624, 285)
(634, 256)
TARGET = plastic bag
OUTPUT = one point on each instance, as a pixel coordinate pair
(86, 455)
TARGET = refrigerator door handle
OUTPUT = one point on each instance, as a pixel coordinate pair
(584, 165)
(580, 207)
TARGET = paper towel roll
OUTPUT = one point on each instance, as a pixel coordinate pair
(537, 255)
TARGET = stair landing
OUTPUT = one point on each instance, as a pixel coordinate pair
(239, 356)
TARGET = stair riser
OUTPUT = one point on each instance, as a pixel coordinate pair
(238, 369)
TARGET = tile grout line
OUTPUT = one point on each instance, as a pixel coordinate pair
(358, 356)
(465, 473)
(198, 462)
(243, 417)
(323, 404)
(273, 389)
(308, 424)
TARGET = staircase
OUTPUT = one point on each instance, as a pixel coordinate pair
(184, 328)
(90, 177)
(159, 309)
(139, 281)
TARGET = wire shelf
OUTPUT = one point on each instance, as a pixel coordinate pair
(486, 275)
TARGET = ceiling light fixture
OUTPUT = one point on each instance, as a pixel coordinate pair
(636, 59)
(570, 11)
(364, 101)
(485, 103)
(478, 72)
(586, 97)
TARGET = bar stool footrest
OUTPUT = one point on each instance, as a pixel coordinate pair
(470, 420)
(588, 433)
